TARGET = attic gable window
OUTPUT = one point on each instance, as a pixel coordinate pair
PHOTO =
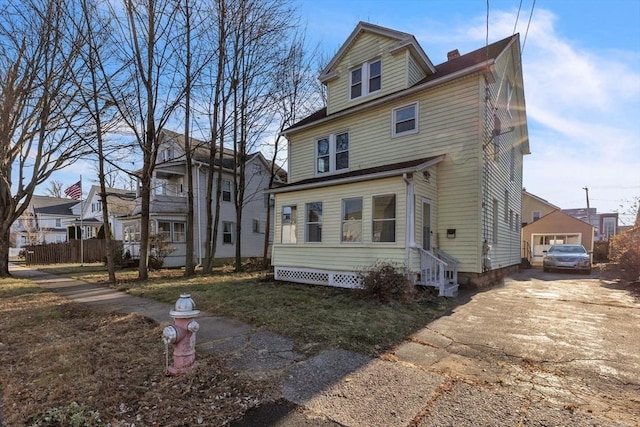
(404, 120)
(332, 153)
(365, 79)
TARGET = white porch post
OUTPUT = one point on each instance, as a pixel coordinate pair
(409, 222)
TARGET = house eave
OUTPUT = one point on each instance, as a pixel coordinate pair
(353, 179)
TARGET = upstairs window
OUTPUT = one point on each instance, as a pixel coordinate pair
(365, 79)
(226, 190)
(332, 153)
(405, 120)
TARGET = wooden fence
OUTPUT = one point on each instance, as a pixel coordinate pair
(94, 250)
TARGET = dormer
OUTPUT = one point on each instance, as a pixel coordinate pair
(373, 62)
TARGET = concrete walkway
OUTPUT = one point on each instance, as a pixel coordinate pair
(430, 380)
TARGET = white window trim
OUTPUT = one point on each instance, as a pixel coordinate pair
(364, 79)
(416, 129)
(224, 180)
(533, 215)
(231, 232)
(332, 154)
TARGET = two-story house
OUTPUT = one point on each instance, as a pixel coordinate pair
(168, 209)
(45, 221)
(120, 203)
(412, 163)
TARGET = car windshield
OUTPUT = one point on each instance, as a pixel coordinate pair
(568, 249)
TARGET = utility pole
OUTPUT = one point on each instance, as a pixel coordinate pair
(586, 189)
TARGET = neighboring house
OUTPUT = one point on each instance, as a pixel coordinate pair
(605, 224)
(556, 227)
(45, 221)
(120, 203)
(534, 207)
(411, 163)
(168, 208)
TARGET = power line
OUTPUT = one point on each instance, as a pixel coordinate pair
(517, 17)
(533, 5)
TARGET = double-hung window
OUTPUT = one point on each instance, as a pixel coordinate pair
(405, 120)
(314, 222)
(227, 233)
(365, 79)
(289, 219)
(226, 190)
(352, 220)
(332, 153)
(384, 218)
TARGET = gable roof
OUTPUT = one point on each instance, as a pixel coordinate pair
(471, 62)
(378, 172)
(404, 41)
(52, 205)
(539, 199)
(551, 218)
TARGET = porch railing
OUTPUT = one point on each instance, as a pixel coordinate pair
(438, 269)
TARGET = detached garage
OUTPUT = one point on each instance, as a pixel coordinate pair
(555, 228)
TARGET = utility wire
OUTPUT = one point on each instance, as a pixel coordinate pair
(517, 17)
(524, 41)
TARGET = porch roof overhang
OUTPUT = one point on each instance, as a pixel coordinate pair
(84, 222)
(368, 174)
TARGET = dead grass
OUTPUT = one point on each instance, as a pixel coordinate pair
(55, 352)
(315, 317)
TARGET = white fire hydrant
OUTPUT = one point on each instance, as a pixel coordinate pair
(182, 335)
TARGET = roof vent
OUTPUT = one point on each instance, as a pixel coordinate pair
(453, 55)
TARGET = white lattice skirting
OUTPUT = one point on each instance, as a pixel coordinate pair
(341, 279)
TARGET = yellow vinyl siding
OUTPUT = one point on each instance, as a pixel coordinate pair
(415, 72)
(506, 251)
(448, 123)
(366, 47)
(331, 252)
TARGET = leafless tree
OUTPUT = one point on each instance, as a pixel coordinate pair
(259, 30)
(92, 86)
(147, 90)
(55, 189)
(295, 95)
(42, 124)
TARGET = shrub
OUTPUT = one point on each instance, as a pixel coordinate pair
(625, 251)
(385, 282)
(159, 251)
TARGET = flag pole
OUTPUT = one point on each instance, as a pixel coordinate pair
(81, 227)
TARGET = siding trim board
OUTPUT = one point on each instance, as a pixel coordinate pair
(368, 174)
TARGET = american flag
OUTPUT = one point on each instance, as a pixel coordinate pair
(75, 191)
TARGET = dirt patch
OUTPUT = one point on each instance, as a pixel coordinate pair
(61, 360)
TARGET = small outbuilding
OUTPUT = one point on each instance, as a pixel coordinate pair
(556, 228)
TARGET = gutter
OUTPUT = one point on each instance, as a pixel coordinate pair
(407, 92)
(408, 238)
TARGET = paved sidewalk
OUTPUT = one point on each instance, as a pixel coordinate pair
(430, 380)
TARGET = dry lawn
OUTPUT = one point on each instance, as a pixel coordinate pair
(66, 365)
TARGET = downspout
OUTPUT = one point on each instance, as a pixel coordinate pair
(409, 228)
(199, 222)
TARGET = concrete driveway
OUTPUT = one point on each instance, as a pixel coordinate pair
(543, 344)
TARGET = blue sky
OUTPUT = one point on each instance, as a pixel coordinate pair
(581, 66)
